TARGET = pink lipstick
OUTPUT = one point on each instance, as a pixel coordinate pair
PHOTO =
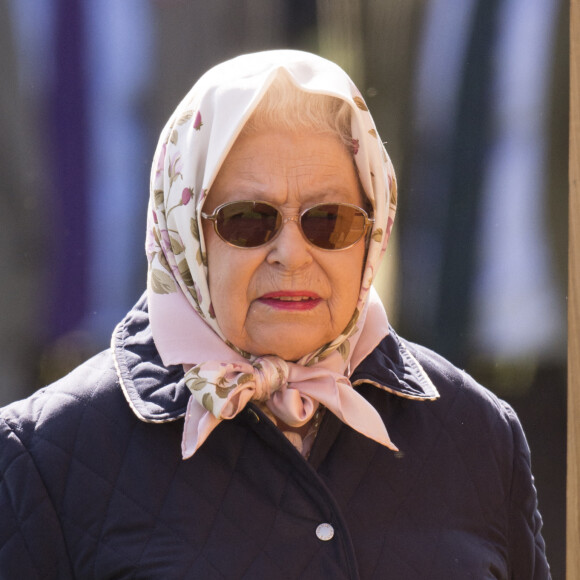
(291, 300)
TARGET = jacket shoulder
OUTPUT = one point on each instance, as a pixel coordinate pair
(452, 382)
(55, 412)
(39, 438)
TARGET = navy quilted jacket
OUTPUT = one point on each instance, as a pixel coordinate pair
(92, 483)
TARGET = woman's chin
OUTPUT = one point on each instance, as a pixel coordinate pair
(288, 354)
(292, 348)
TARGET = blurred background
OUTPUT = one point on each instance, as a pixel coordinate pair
(471, 98)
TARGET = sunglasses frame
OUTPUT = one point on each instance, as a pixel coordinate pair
(296, 218)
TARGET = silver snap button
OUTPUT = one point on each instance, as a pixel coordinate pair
(325, 532)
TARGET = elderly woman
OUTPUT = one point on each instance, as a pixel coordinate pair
(237, 428)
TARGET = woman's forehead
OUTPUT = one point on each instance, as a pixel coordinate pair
(284, 167)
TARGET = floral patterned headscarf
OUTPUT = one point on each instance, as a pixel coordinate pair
(191, 150)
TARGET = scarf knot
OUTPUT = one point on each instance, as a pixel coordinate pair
(224, 389)
(270, 375)
(291, 392)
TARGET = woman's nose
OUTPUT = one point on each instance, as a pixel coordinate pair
(290, 249)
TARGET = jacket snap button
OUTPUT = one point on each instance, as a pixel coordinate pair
(325, 532)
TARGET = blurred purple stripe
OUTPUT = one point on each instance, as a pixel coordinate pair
(68, 139)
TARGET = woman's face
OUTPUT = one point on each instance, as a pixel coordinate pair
(287, 297)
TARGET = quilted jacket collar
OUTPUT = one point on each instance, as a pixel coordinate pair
(158, 394)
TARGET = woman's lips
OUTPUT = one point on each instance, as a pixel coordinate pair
(291, 300)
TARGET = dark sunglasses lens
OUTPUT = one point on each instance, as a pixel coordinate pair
(333, 226)
(247, 224)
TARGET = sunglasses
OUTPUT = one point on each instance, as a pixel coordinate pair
(251, 224)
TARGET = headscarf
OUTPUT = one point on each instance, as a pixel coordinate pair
(192, 147)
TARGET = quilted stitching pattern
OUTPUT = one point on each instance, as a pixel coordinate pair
(130, 507)
(22, 503)
(447, 516)
(89, 491)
